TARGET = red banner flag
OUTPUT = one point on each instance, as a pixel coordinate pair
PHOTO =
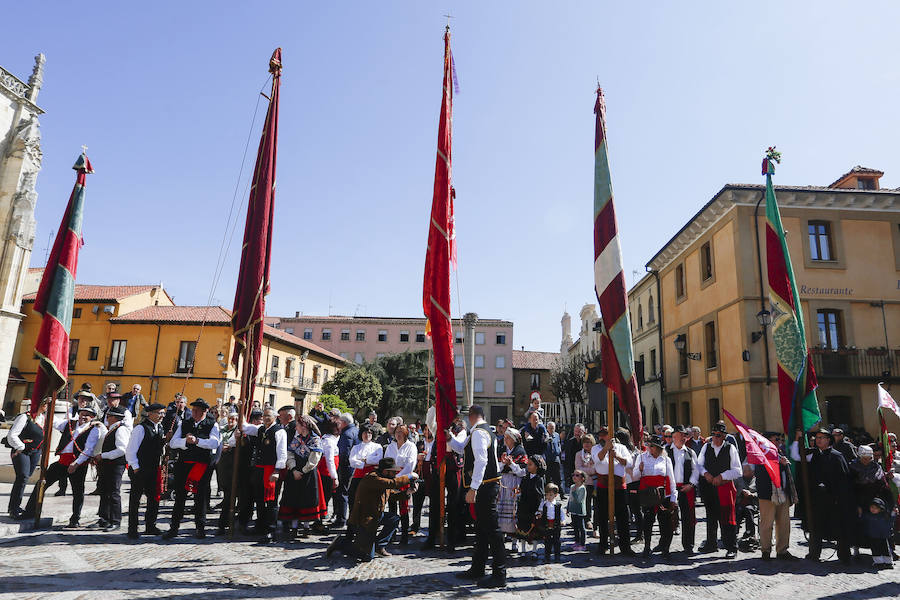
(256, 253)
(760, 451)
(56, 295)
(441, 251)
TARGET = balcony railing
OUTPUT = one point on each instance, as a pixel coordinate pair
(306, 384)
(873, 365)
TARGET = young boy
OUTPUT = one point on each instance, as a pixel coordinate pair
(877, 528)
(554, 515)
(578, 509)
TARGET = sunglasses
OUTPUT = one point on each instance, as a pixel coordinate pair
(668, 437)
(719, 434)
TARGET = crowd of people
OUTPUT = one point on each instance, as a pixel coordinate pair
(521, 490)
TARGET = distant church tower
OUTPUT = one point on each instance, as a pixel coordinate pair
(20, 162)
(566, 343)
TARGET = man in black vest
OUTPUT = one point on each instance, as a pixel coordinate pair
(719, 465)
(24, 439)
(143, 454)
(269, 457)
(453, 466)
(482, 475)
(687, 475)
(245, 496)
(197, 437)
(111, 468)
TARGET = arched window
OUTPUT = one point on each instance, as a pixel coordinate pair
(640, 317)
(651, 316)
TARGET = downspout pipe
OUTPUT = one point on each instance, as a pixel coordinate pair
(762, 294)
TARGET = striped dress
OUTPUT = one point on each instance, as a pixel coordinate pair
(510, 476)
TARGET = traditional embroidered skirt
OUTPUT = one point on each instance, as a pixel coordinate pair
(303, 499)
(506, 502)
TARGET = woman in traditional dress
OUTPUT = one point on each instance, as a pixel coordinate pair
(328, 465)
(513, 460)
(654, 470)
(364, 457)
(303, 500)
(531, 492)
(404, 453)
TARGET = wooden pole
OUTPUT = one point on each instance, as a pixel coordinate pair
(611, 478)
(45, 457)
(245, 401)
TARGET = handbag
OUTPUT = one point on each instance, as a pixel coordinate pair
(778, 496)
(651, 497)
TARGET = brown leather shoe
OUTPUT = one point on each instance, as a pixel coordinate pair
(382, 552)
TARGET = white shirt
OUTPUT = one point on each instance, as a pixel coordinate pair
(457, 443)
(405, 456)
(551, 510)
(329, 451)
(481, 451)
(661, 465)
(211, 443)
(678, 465)
(734, 471)
(91, 443)
(122, 434)
(602, 466)
(365, 453)
(280, 441)
(134, 442)
(18, 425)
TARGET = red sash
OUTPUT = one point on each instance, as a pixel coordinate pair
(66, 459)
(269, 491)
(360, 473)
(727, 495)
(691, 494)
(649, 481)
(322, 467)
(198, 470)
(602, 481)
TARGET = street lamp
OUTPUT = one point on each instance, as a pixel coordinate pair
(680, 344)
(764, 318)
(220, 357)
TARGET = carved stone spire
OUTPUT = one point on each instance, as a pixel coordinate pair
(37, 77)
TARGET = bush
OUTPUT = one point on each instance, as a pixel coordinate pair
(333, 401)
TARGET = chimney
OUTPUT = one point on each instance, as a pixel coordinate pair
(859, 178)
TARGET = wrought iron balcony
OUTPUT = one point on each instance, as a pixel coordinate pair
(306, 384)
(866, 365)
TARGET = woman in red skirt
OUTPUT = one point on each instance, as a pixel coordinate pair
(303, 500)
(658, 494)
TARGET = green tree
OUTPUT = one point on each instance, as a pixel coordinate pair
(331, 401)
(357, 386)
(404, 383)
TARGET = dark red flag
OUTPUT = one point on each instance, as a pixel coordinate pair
(256, 251)
(436, 290)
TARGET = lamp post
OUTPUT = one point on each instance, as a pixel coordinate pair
(764, 318)
(680, 345)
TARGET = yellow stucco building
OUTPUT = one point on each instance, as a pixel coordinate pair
(136, 334)
(844, 241)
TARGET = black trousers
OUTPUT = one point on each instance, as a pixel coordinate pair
(201, 496)
(687, 509)
(57, 472)
(664, 518)
(341, 497)
(246, 500)
(266, 512)
(418, 502)
(601, 518)
(143, 483)
(328, 490)
(552, 543)
(24, 465)
(488, 537)
(224, 476)
(554, 475)
(110, 485)
(715, 518)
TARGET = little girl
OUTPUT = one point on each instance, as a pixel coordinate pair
(531, 490)
(554, 516)
(577, 509)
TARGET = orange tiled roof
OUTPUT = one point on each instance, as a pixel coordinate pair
(103, 293)
(526, 359)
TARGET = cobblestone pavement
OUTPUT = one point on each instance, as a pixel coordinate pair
(81, 564)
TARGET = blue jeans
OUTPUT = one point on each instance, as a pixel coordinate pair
(363, 546)
(578, 526)
(24, 465)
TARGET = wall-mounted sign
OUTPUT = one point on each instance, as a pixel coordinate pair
(828, 291)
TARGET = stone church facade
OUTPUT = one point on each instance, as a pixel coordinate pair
(20, 163)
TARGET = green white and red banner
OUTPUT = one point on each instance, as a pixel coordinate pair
(56, 295)
(796, 377)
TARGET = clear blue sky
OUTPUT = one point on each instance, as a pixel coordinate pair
(695, 92)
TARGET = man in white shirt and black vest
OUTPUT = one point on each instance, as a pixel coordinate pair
(687, 475)
(719, 465)
(482, 474)
(143, 453)
(111, 468)
(268, 458)
(25, 438)
(197, 437)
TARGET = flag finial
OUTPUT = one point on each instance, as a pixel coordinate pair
(275, 63)
(772, 156)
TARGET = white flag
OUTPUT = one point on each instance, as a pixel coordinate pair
(885, 401)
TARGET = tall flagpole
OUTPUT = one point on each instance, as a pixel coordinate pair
(611, 478)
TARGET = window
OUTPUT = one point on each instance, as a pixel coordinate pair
(420, 337)
(273, 372)
(326, 334)
(345, 355)
(651, 315)
(458, 361)
(714, 412)
(500, 386)
(479, 338)
(315, 377)
(288, 368)
(117, 355)
(345, 335)
(500, 362)
(865, 184)
(838, 410)
(379, 355)
(501, 339)
(459, 386)
(93, 352)
(820, 246)
(382, 335)
(710, 334)
(640, 317)
(73, 353)
(653, 363)
(76, 313)
(683, 360)
(359, 358)
(301, 371)
(307, 333)
(272, 400)
(479, 361)
(289, 330)
(830, 329)
(360, 335)
(479, 386)
(459, 338)
(679, 282)
(404, 336)
(186, 353)
(706, 265)
(640, 370)
(685, 413)
(535, 381)
(275, 362)
(324, 375)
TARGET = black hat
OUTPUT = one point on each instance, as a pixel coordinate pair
(825, 431)
(679, 429)
(86, 386)
(656, 440)
(286, 407)
(255, 414)
(476, 409)
(388, 464)
(84, 393)
(719, 428)
(879, 503)
(116, 411)
(154, 406)
(365, 428)
(88, 409)
(200, 403)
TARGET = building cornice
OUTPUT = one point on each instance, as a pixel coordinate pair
(17, 90)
